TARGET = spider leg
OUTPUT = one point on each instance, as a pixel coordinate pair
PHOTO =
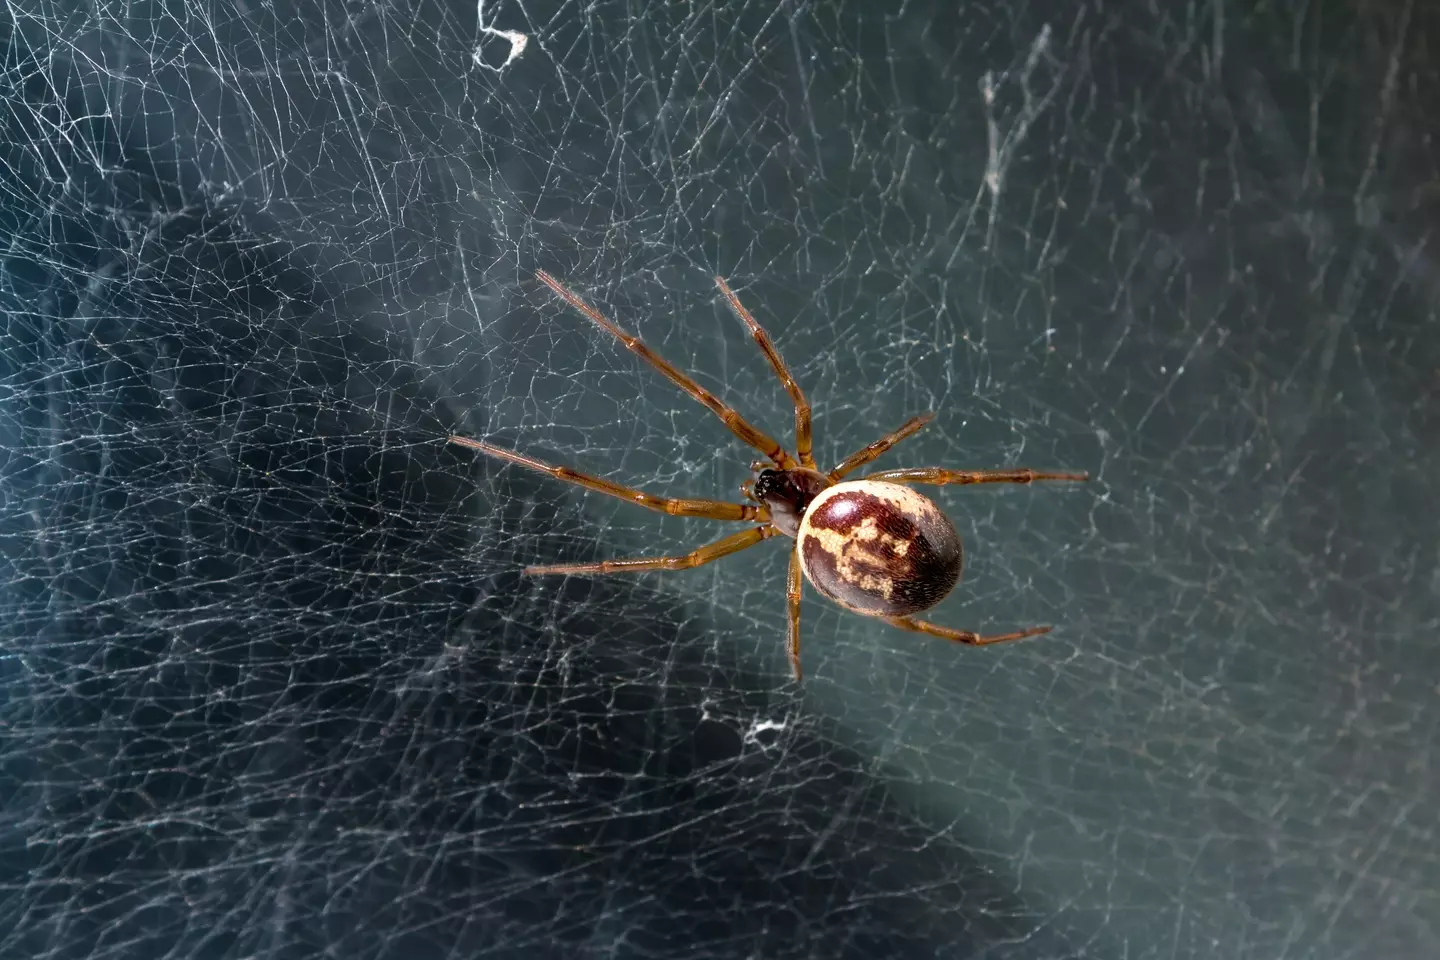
(941, 475)
(962, 636)
(861, 457)
(803, 441)
(792, 604)
(695, 558)
(738, 425)
(710, 509)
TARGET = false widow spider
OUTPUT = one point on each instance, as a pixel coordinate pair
(874, 546)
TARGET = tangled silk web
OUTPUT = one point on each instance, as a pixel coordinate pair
(272, 687)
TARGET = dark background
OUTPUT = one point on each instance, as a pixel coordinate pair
(272, 688)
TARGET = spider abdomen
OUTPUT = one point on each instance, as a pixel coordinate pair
(880, 549)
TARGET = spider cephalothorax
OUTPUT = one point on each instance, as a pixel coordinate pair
(872, 545)
(787, 493)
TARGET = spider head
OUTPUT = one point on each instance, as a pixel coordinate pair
(788, 494)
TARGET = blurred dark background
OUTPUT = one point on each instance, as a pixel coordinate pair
(271, 686)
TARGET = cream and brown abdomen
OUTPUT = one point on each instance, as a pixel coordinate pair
(880, 549)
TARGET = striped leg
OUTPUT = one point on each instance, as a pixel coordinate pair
(695, 558)
(738, 425)
(803, 442)
(711, 509)
(859, 458)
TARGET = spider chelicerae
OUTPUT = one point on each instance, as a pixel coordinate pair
(873, 545)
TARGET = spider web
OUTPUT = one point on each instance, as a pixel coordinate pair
(272, 687)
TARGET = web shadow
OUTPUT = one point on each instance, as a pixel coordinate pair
(254, 707)
(257, 709)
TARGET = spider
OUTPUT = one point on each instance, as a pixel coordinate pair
(874, 546)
